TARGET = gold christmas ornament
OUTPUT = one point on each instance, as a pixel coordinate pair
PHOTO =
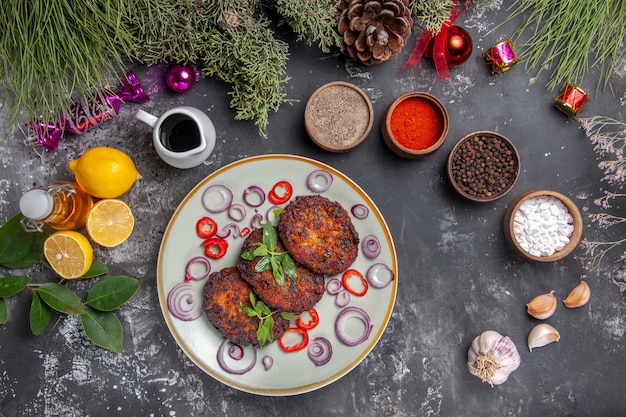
(374, 30)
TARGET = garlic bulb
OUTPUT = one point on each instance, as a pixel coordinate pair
(492, 357)
(579, 296)
(542, 306)
(541, 335)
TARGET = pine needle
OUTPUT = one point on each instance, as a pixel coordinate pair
(571, 37)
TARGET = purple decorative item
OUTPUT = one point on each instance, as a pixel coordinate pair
(83, 116)
(181, 78)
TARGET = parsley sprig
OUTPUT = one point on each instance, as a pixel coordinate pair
(281, 263)
(266, 318)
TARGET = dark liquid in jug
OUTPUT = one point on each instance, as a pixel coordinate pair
(180, 133)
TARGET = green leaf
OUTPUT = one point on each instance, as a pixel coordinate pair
(60, 298)
(287, 315)
(252, 299)
(249, 311)
(263, 309)
(4, 312)
(12, 285)
(263, 264)
(270, 238)
(248, 256)
(103, 328)
(261, 250)
(35, 253)
(97, 269)
(15, 242)
(40, 315)
(110, 293)
(289, 267)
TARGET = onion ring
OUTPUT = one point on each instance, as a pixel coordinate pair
(224, 204)
(370, 246)
(222, 358)
(198, 259)
(343, 298)
(228, 229)
(312, 183)
(254, 190)
(181, 302)
(347, 314)
(237, 212)
(374, 279)
(333, 286)
(235, 352)
(268, 362)
(256, 222)
(360, 211)
(320, 351)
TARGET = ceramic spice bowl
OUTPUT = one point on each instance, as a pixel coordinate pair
(543, 225)
(483, 166)
(338, 116)
(415, 125)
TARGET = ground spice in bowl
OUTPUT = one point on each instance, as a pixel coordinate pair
(416, 124)
(338, 116)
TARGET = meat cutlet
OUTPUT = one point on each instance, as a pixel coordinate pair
(293, 296)
(224, 294)
(319, 234)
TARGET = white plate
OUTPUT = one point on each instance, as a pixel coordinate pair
(292, 373)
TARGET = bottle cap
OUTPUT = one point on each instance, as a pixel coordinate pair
(36, 204)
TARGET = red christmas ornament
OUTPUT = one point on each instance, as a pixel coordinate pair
(457, 47)
(181, 78)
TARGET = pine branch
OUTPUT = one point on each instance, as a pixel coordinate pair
(312, 21)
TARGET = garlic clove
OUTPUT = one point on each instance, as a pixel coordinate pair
(579, 296)
(542, 306)
(541, 335)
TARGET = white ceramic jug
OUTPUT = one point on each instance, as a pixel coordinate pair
(183, 136)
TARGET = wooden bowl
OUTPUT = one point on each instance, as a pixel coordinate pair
(434, 111)
(502, 167)
(574, 239)
(338, 116)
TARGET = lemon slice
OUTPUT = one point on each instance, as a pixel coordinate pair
(69, 253)
(110, 222)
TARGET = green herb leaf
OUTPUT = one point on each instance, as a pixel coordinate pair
(270, 238)
(4, 312)
(60, 298)
(277, 271)
(40, 315)
(287, 315)
(261, 250)
(12, 285)
(263, 264)
(110, 293)
(249, 311)
(103, 328)
(248, 256)
(289, 267)
(15, 242)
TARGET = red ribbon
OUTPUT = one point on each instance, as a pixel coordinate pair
(439, 45)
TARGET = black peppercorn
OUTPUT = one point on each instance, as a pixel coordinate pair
(484, 166)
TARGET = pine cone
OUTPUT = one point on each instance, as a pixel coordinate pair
(374, 30)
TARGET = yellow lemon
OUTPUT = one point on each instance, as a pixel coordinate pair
(69, 253)
(104, 172)
(110, 222)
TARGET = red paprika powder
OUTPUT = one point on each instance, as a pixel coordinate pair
(416, 123)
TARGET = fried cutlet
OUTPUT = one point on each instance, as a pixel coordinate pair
(319, 234)
(295, 297)
(224, 294)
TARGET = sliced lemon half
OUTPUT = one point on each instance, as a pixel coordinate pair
(69, 253)
(110, 222)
